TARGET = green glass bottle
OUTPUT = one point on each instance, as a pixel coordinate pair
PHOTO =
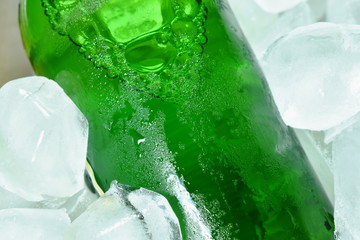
(177, 104)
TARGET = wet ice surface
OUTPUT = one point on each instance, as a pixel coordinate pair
(43, 140)
(346, 153)
(78, 203)
(318, 9)
(262, 28)
(313, 75)
(277, 6)
(73, 205)
(33, 224)
(11, 200)
(340, 11)
(124, 213)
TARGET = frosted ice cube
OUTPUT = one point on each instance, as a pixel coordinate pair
(123, 213)
(262, 28)
(43, 140)
(33, 224)
(313, 75)
(277, 6)
(346, 154)
(340, 11)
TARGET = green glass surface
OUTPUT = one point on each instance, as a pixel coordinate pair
(177, 104)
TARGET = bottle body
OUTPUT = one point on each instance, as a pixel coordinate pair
(181, 108)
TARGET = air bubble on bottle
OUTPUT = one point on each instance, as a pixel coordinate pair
(197, 49)
(162, 38)
(202, 39)
(176, 38)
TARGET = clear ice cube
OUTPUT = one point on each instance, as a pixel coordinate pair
(346, 12)
(43, 140)
(74, 205)
(313, 75)
(318, 9)
(78, 203)
(262, 28)
(11, 200)
(346, 157)
(125, 213)
(33, 224)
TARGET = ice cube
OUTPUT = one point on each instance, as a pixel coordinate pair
(161, 221)
(43, 140)
(313, 75)
(33, 224)
(262, 28)
(340, 11)
(125, 213)
(318, 9)
(277, 6)
(74, 206)
(346, 154)
(78, 203)
(254, 22)
(11, 200)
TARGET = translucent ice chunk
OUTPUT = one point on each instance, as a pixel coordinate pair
(78, 203)
(11, 200)
(340, 11)
(313, 75)
(123, 213)
(277, 6)
(43, 140)
(33, 224)
(346, 153)
(161, 221)
(262, 28)
(254, 22)
(318, 9)
(74, 206)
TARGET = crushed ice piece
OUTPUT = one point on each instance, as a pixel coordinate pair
(33, 224)
(43, 135)
(313, 74)
(125, 213)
